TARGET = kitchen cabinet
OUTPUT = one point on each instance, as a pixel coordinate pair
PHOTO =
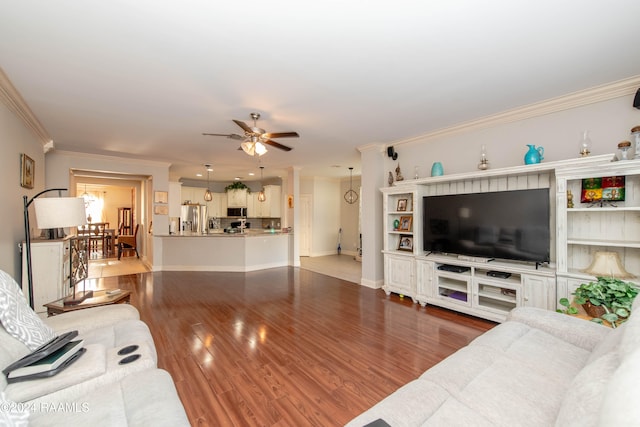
(217, 207)
(273, 204)
(237, 198)
(270, 208)
(190, 195)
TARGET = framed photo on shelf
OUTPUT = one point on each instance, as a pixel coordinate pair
(405, 243)
(402, 205)
(28, 168)
(609, 189)
(405, 223)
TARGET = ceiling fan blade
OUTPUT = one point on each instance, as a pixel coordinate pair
(231, 136)
(277, 145)
(243, 125)
(269, 135)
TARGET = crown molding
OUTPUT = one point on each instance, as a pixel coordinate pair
(372, 147)
(112, 158)
(16, 103)
(581, 98)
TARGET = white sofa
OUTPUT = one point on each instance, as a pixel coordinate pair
(96, 389)
(539, 368)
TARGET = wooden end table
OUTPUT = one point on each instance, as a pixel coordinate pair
(100, 297)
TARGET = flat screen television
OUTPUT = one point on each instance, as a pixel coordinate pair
(504, 224)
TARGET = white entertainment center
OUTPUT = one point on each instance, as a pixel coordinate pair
(490, 289)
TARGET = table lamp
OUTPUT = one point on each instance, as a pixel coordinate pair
(51, 213)
(607, 264)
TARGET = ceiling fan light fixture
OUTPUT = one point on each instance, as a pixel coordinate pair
(260, 148)
(248, 147)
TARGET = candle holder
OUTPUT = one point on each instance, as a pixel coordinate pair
(585, 144)
(484, 162)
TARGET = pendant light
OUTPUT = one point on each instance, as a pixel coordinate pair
(261, 196)
(208, 196)
(351, 196)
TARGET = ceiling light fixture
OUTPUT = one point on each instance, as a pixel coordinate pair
(253, 146)
(351, 196)
(208, 196)
(261, 196)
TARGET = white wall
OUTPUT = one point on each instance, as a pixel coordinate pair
(16, 138)
(59, 164)
(609, 122)
(326, 196)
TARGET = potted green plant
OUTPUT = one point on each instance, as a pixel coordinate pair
(607, 299)
(237, 185)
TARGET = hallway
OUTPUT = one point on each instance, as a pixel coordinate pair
(343, 267)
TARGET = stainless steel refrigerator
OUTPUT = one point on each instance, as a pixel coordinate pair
(193, 218)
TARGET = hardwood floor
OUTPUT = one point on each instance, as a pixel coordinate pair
(287, 346)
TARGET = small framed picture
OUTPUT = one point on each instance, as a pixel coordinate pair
(405, 223)
(405, 243)
(402, 205)
(161, 210)
(161, 197)
(28, 169)
(610, 188)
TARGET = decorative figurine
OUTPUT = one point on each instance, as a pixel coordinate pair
(399, 176)
(390, 180)
(569, 199)
(533, 155)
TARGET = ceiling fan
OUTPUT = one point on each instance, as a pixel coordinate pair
(255, 138)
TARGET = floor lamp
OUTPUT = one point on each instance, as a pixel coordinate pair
(53, 213)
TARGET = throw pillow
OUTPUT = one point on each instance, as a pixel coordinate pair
(20, 321)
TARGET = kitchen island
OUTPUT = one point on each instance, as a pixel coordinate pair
(219, 251)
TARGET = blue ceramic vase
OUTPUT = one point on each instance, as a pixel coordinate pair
(534, 155)
(436, 169)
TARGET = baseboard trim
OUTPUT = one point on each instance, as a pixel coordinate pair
(373, 284)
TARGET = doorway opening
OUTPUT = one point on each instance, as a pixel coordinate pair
(116, 205)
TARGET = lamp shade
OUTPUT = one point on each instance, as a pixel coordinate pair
(60, 212)
(607, 264)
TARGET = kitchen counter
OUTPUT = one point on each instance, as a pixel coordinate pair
(221, 233)
(252, 250)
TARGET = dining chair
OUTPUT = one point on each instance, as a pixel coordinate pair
(129, 242)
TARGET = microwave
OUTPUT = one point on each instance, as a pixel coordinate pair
(237, 212)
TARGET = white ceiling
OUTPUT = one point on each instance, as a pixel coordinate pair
(146, 78)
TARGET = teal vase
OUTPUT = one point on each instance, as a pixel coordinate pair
(436, 169)
(534, 155)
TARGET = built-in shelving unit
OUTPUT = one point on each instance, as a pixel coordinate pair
(587, 228)
(486, 289)
(402, 239)
(478, 290)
